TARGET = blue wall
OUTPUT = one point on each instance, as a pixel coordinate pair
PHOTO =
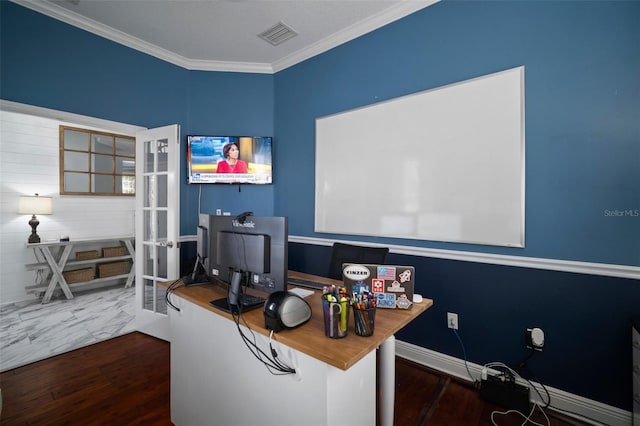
(227, 104)
(582, 111)
(583, 157)
(586, 319)
(54, 65)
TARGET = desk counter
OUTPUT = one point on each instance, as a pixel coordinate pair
(309, 338)
(216, 379)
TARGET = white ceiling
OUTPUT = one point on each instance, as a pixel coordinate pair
(222, 35)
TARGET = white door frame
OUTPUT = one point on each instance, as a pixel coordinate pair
(157, 225)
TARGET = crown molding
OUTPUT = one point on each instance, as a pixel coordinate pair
(69, 117)
(242, 67)
(393, 13)
(61, 14)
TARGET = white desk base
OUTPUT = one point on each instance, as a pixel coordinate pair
(387, 400)
(216, 380)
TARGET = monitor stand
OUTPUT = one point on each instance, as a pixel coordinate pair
(224, 305)
(190, 280)
(195, 278)
(236, 302)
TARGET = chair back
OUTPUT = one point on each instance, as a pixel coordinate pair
(347, 253)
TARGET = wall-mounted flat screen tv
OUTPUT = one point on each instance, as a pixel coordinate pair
(229, 159)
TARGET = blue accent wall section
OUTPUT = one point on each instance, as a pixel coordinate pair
(582, 113)
(234, 104)
(586, 319)
(582, 151)
(582, 177)
(50, 64)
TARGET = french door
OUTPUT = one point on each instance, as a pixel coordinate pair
(157, 225)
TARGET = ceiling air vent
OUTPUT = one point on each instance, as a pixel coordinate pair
(277, 34)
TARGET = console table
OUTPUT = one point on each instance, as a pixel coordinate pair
(216, 380)
(56, 255)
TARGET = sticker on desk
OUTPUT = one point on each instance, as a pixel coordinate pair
(386, 300)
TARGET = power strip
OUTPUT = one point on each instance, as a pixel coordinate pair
(505, 393)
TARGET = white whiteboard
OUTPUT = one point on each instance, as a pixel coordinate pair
(445, 164)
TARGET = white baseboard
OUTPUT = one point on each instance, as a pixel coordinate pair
(584, 409)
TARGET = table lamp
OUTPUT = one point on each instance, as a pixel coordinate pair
(34, 205)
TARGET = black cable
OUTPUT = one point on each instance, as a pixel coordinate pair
(273, 365)
(172, 287)
(547, 403)
(275, 356)
(523, 363)
(258, 353)
(523, 369)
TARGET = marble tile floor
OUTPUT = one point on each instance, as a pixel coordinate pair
(31, 331)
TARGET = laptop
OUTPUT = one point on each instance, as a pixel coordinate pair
(392, 285)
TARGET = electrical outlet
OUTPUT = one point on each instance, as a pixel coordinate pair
(535, 338)
(452, 320)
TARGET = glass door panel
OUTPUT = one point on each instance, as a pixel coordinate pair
(157, 222)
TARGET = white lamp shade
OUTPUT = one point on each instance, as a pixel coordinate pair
(34, 205)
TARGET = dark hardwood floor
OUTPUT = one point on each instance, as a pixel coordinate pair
(125, 381)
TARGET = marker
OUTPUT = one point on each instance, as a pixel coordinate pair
(343, 315)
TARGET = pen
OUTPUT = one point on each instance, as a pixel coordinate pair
(343, 314)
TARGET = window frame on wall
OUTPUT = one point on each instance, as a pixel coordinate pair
(94, 162)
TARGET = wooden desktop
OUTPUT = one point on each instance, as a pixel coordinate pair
(213, 371)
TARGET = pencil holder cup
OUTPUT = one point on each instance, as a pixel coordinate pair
(364, 320)
(336, 319)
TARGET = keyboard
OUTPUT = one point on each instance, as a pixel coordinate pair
(306, 283)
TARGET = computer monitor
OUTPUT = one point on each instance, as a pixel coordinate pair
(248, 251)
